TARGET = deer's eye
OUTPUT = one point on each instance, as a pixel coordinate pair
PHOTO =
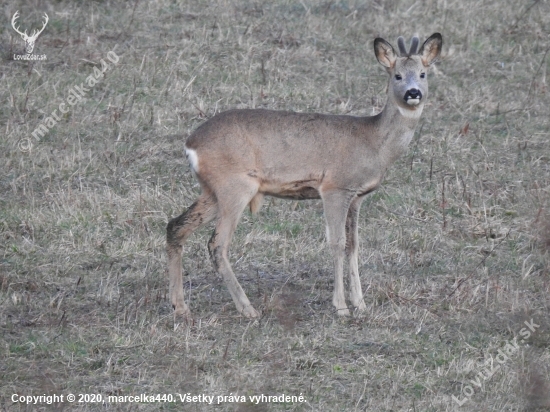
(398, 77)
(422, 75)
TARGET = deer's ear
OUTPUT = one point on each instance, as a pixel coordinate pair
(431, 49)
(384, 53)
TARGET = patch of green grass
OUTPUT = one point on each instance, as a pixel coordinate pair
(283, 228)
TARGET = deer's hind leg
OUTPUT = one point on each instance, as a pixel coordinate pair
(232, 200)
(178, 230)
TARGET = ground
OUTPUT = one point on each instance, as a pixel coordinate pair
(454, 247)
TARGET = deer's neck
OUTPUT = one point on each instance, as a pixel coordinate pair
(396, 128)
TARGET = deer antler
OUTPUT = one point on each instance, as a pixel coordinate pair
(36, 33)
(15, 17)
(401, 45)
(403, 50)
(414, 46)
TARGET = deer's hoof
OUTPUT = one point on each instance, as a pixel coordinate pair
(250, 312)
(342, 311)
(182, 312)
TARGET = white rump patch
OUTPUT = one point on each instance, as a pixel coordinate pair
(411, 114)
(193, 159)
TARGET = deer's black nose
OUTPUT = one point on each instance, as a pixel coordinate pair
(413, 94)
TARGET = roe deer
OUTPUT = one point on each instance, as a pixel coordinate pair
(239, 156)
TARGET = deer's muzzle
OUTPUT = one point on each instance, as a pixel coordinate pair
(413, 97)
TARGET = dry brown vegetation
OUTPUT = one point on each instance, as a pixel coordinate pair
(454, 248)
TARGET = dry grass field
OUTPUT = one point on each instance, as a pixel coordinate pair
(455, 245)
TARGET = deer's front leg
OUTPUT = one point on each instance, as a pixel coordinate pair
(336, 205)
(352, 246)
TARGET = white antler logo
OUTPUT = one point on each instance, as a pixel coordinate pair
(29, 40)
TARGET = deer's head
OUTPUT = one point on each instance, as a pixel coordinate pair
(408, 84)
